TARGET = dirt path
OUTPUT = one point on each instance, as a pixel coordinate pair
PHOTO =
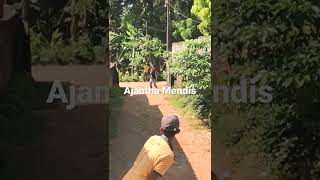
(139, 119)
(72, 146)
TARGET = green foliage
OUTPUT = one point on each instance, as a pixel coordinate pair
(131, 50)
(152, 12)
(126, 77)
(116, 102)
(184, 29)
(80, 7)
(138, 77)
(44, 50)
(193, 65)
(139, 12)
(280, 41)
(202, 9)
(89, 16)
(57, 51)
(83, 51)
(131, 47)
(188, 105)
(151, 51)
(66, 32)
(100, 54)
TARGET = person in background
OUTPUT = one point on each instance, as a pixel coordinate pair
(156, 156)
(153, 76)
(146, 71)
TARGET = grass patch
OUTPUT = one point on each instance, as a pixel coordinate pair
(116, 101)
(182, 103)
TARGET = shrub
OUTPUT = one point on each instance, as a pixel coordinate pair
(280, 41)
(193, 65)
(57, 51)
(83, 51)
(46, 51)
(162, 76)
(100, 54)
(129, 78)
(66, 56)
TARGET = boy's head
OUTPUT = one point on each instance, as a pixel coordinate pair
(170, 126)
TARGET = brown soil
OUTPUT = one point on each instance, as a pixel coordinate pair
(72, 144)
(139, 119)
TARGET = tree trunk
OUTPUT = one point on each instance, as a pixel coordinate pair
(73, 25)
(73, 28)
(25, 14)
(132, 66)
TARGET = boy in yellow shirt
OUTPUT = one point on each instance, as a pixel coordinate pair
(156, 156)
(146, 71)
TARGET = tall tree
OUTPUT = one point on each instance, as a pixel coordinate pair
(202, 9)
(79, 10)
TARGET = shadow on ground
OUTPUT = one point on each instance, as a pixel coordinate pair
(72, 145)
(138, 121)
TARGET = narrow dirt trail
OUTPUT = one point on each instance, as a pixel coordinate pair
(72, 144)
(139, 119)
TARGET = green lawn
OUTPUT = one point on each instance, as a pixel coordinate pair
(182, 103)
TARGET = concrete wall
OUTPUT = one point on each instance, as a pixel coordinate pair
(176, 47)
(91, 76)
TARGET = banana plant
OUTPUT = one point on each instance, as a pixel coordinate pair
(79, 10)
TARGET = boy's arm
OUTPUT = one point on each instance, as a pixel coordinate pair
(162, 165)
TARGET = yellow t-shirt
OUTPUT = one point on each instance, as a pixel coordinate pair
(156, 155)
(146, 68)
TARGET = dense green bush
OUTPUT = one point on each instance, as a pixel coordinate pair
(83, 50)
(116, 100)
(280, 41)
(100, 54)
(193, 64)
(131, 49)
(68, 31)
(58, 51)
(126, 77)
(46, 51)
